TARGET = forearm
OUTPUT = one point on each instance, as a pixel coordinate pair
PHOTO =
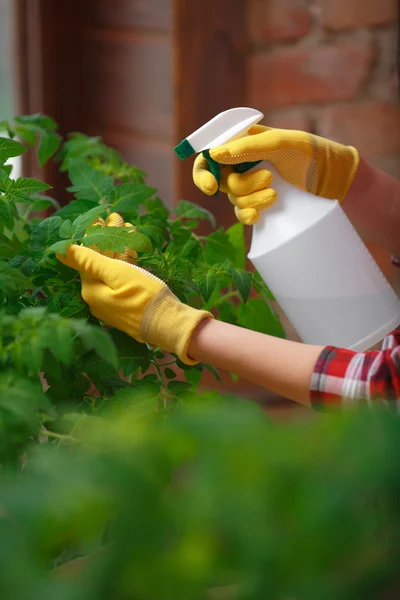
(281, 366)
(373, 206)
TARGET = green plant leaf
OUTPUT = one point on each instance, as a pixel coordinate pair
(58, 337)
(261, 287)
(155, 230)
(84, 221)
(207, 283)
(21, 396)
(89, 184)
(180, 236)
(8, 211)
(10, 149)
(31, 127)
(179, 388)
(236, 237)
(218, 248)
(66, 230)
(20, 404)
(192, 249)
(20, 190)
(95, 338)
(6, 170)
(75, 208)
(33, 331)
(26, 264)
(140, 399)
(48, 146)
(242, 281)
(12, 280)
(46, 233)
(37, 120)
(257, 315)
(156, 208)
(5, 126)
(6, 249)
(182, 365)
(116, 239)
(188, 210)
(169, 373)
(27, 134)
(128, 197)
(132, 354)
(59, 247)
(99, 372)
(227, 313)
(39, 204)
(213, 371)
(193, 376)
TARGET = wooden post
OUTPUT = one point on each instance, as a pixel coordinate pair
(210, 76)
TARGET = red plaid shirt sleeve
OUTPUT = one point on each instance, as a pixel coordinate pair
(343, 377)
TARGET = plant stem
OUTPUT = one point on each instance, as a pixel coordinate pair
(59, 436)
(172, 362)
(227, 296)
(161, 378)
(26, 214)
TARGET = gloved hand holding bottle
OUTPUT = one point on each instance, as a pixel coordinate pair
(322, 167)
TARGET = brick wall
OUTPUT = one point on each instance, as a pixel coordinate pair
(329, 66)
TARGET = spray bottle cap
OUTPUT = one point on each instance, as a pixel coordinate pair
(225, 127)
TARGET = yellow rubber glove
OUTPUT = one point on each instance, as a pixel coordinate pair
(312, 163)
(249, 192)
(131, 299)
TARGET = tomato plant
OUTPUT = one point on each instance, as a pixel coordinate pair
(52, 349)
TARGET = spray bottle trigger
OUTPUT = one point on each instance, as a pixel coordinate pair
(215, 167)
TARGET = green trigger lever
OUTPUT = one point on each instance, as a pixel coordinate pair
(185, 149)
(215, 167)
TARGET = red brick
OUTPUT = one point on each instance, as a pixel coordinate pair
(288, 120)
(313, 74)
(373, 127)
(345, 14)
(274, 20)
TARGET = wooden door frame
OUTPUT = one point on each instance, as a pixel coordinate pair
(212, 36)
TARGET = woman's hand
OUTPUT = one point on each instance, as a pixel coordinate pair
(133, 300)
(312, 163)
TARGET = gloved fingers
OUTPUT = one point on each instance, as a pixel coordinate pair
(247, 216)
(90, 263)
(256, 129)
(114, 220)
(243, 184)
(259, 200)
(251, 148)
(202, 177)
(93, 292)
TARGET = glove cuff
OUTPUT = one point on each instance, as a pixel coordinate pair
(342, 163)
(353, 170)
(169, 324)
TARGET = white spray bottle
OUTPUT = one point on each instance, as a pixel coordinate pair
(309, 254)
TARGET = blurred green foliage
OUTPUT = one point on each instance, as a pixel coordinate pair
(216, 502)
